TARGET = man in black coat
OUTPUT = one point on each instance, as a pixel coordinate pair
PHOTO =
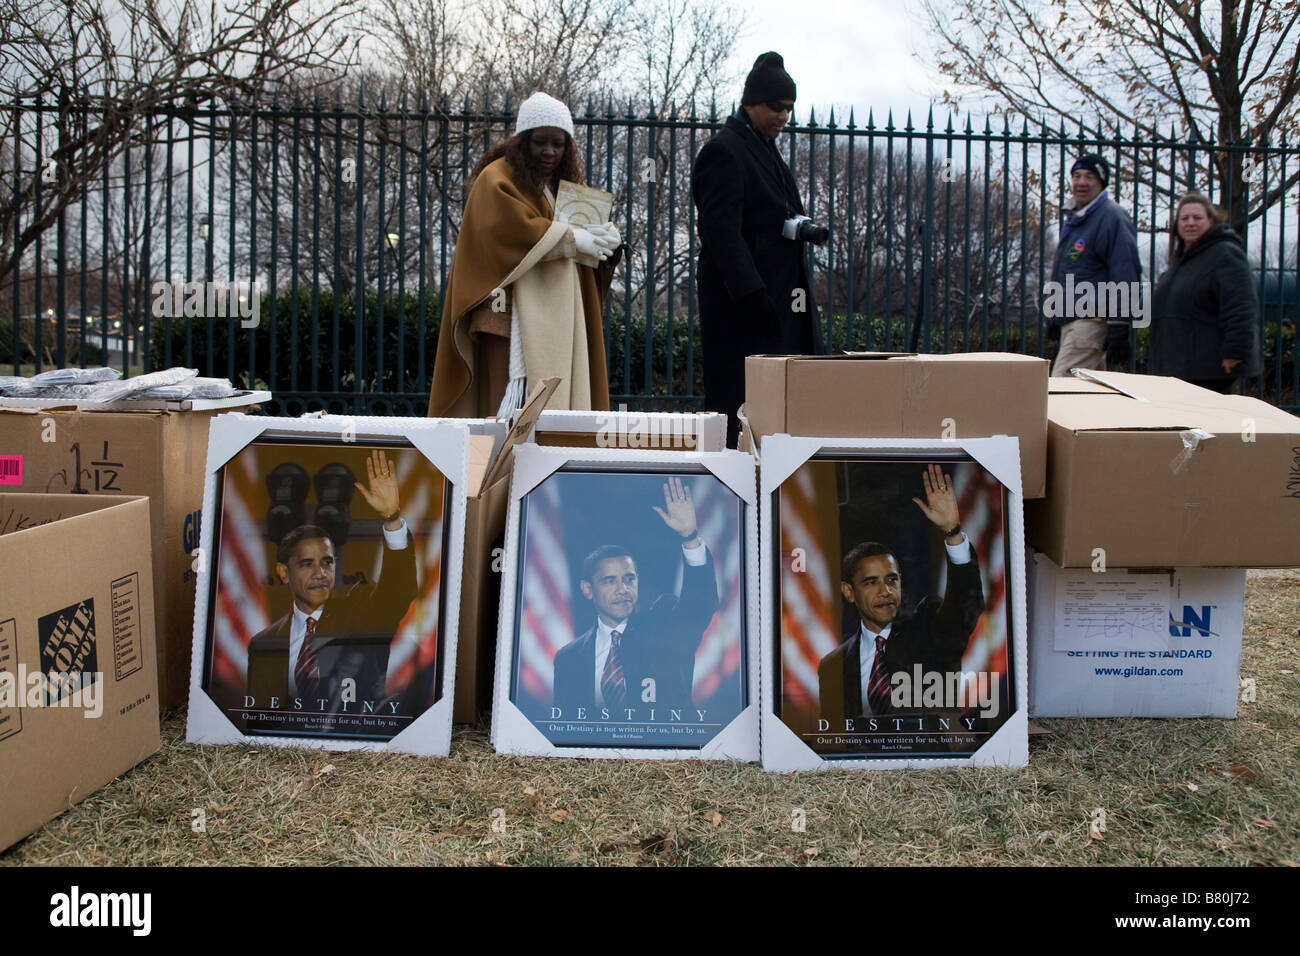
(639, 660)
(753, 287)
(1204, 314)
(855, 679)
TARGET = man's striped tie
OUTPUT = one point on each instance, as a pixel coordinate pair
(878, 686)
(306, 673)
(612, 685)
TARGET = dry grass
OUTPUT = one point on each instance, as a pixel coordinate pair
(1175, 792)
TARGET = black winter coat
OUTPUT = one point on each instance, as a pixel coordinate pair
(1204, 311)
(744, 192)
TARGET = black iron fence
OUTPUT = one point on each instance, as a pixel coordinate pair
(326, 229)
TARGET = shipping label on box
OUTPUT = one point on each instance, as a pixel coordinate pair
(1096, 650)
(78, 672)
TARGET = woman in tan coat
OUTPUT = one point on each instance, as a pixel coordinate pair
(517, 306)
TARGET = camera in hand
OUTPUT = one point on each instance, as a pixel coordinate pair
(803, 228)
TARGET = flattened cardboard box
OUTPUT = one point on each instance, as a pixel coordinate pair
(158, 454)
(1146, 471)
(480, 583)
(78, 599)
(893, 395)
(1193, 670)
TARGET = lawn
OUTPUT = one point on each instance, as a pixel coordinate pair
(1174, 792)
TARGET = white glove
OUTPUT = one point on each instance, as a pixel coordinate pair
(607, 230)
(591, 244)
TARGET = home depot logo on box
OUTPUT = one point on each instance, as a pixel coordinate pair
(68, 645)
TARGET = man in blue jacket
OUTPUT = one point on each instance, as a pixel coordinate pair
(1096, 272)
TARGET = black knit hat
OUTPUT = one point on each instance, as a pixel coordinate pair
(1094, 164)
(767, 81)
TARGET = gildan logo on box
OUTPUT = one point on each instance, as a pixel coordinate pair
(68, 647)
(1192, 622)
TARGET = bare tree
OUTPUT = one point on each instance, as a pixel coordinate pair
(1216, 70)
(98, 69)
(682, 53)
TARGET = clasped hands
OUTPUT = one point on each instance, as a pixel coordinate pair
(598, 240)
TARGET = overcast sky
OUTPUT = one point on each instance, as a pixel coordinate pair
(846, 52)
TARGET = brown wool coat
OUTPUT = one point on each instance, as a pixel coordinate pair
(506, 232)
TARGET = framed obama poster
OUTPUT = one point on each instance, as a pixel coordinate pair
(626, 605)
(893, 604)
(328, 578)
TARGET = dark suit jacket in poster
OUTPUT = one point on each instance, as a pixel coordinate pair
(352, 638)
(934, 637)
(659, 643)
(744, 192)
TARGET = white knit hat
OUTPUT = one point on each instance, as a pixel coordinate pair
(542, 110)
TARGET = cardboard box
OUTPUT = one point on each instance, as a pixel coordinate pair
(490, 465)
(78, 599)
(158, 453)
(892, 395)
(1154, 472)
(1188, 666)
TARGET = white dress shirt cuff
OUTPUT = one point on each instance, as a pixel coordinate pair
(396, 540)
(959, 553)
(695, 557)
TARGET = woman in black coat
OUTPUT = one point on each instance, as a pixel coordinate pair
(1205, 308)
